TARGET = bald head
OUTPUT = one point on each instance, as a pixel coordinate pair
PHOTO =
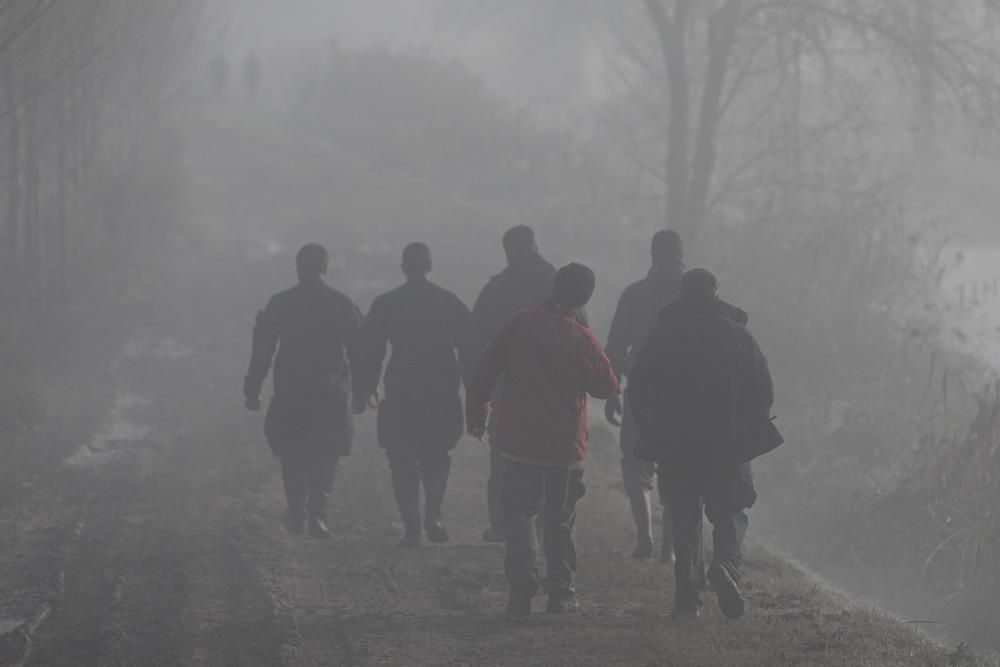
(519, 243)
(416, 260)
(667, 247)
(312, 261)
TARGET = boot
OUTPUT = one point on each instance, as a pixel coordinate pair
(519, 604)
(436, 532)
(643, 525)
(406, 488)
(318, 529)
(667, 538)
(435, 482)
(410, 541)
(562, 603)
(294, 522)
(730, 594)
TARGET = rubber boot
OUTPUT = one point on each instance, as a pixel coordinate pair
(435, 477)
(667, 543)
(643, 525)
(406, 488)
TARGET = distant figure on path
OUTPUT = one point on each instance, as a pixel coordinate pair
(550, 362)
(525, 283)
(635, 317)
(701, 393)
(316, 331)
(421, 420)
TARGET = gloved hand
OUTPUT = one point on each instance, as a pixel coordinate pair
(252, 403)
(613, 410)
(358, 405)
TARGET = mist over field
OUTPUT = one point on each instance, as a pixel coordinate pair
(834, 163)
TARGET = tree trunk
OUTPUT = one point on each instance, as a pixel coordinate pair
(13, 238)
(671, 32)
(721, 40)
(62, 226)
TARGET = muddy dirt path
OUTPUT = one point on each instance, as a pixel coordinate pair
(154, 540)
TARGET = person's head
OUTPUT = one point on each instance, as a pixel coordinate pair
(519, 243)
(699, 286)
(416, 260)
(312, 262)
(667, 247)
(573, 286)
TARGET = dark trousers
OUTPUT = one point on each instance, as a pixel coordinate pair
(494, 488)
(411, 466)
(689, 502)
(554, 492)
(308, 478)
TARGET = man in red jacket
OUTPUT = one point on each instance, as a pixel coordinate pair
(550, 362)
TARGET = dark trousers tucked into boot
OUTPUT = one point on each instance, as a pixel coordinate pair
(410, 466)
(308, 479)
(689, 503)
(494, 493)
(667, 544)
(554, 492)
(638, 477)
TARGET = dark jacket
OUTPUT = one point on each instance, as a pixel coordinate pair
(426, 325)
(316, 331)
(522, 285)
(723, 308)
(637, 312)
(701, 392)
(550, 362)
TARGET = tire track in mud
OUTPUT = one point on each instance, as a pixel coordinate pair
(76, 631)
(156, 576)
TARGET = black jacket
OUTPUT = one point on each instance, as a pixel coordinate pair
(426, 325)
(636, 314)
(701, 392)
(520, 286)
(316, 331)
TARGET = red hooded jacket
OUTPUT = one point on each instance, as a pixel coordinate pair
(550, 362)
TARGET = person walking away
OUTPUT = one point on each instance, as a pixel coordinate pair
(420, 420)
(635, 316)
(550, 362)
(524, 284)
(701, 393)
(316, 331)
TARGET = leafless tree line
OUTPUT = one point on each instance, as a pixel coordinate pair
(84, 89)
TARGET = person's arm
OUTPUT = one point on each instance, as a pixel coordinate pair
(481, 328)
(461, 332)
(353, 345)
(374, 342)
(642, 379)
(265, 342)
(479, 390)
(619, 337)
(600, 378)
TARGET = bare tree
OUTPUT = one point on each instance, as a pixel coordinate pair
(82, 90)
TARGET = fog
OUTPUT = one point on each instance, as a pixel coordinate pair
(833, 164)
